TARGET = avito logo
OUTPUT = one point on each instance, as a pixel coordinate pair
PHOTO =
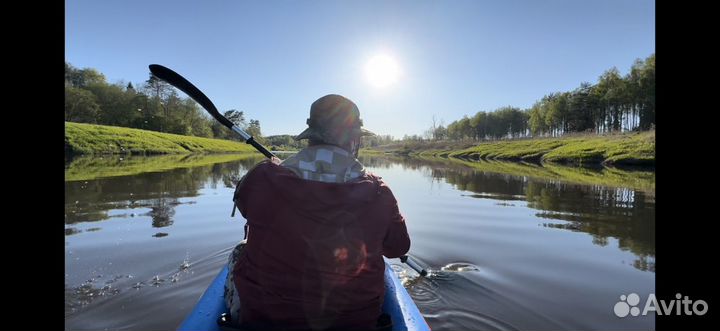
(680, 306)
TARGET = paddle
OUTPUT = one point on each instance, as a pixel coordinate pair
(413, 264)
(174, 79)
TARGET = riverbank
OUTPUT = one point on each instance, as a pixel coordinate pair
(94, 167)
(622, 150)
(91, 139)
(601, 176)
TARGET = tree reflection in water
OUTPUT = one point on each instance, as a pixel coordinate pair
(592, 201)
(157, 191)
(602, 210)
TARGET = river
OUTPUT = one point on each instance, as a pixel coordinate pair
(510, 246)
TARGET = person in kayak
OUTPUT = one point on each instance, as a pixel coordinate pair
(318, 227)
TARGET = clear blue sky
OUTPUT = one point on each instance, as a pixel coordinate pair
(272, 59)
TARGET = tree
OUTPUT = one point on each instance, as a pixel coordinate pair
(115, 103)
(81, 78)
(537, 123)
(518, 122)
(556, 113)
(579, 111)
(453, 131)
(80, 105)
(192, 119)
(234, 116)
(464, 128)
(440, 132)
(161, 96)
(646, 89)
(254, 130)
(479, 125)
(610, 87)
(202, 127)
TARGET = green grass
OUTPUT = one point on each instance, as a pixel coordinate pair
(370, 152)
(613, 177)
(628, 149)
(83, 138)
(532, 149)
(92, 167)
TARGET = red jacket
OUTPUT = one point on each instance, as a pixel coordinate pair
(314, 254)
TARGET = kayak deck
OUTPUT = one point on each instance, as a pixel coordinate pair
(398, 304)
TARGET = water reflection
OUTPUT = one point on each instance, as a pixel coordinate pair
(83, 295)
(624, 213)
(162, 211)
(94, 167)
(144, 192)
(627, 214)
(437, 168)
(603, 212)
(511, 238)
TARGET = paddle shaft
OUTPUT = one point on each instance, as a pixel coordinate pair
(413, 264)
(174, 79)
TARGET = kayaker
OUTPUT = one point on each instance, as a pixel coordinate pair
(318, 226)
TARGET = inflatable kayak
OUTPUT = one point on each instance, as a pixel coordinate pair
(398, 305)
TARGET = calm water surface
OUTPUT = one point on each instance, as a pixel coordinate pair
(507, 252)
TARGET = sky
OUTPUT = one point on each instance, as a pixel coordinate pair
(272, 59)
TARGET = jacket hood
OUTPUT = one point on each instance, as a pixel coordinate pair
(313, 196)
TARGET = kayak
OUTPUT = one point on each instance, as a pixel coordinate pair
(398, 305)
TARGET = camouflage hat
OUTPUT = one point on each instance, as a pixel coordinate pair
(334, 119)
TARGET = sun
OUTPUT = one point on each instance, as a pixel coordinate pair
(382, 70)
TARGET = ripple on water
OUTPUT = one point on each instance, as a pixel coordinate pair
(460, 319)
(84, 294)
(424, 290)
(458, 267)
(95, 288)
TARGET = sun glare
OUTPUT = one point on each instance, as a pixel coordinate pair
(382, 71)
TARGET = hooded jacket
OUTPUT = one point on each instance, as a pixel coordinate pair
(314, 253)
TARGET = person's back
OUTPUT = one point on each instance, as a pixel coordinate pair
(318, 228)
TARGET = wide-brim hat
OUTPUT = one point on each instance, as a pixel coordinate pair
(334, 119)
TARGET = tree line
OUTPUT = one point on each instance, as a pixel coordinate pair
(615, 103)
(155, 106)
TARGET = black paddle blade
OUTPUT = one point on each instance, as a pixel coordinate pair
(174, 79)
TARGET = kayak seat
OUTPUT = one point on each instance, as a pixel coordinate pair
(384, 323)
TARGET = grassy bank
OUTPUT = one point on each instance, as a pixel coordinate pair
(370, 152)
(603, 176)
(629, 149)
(640, 180)
(83, 138)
